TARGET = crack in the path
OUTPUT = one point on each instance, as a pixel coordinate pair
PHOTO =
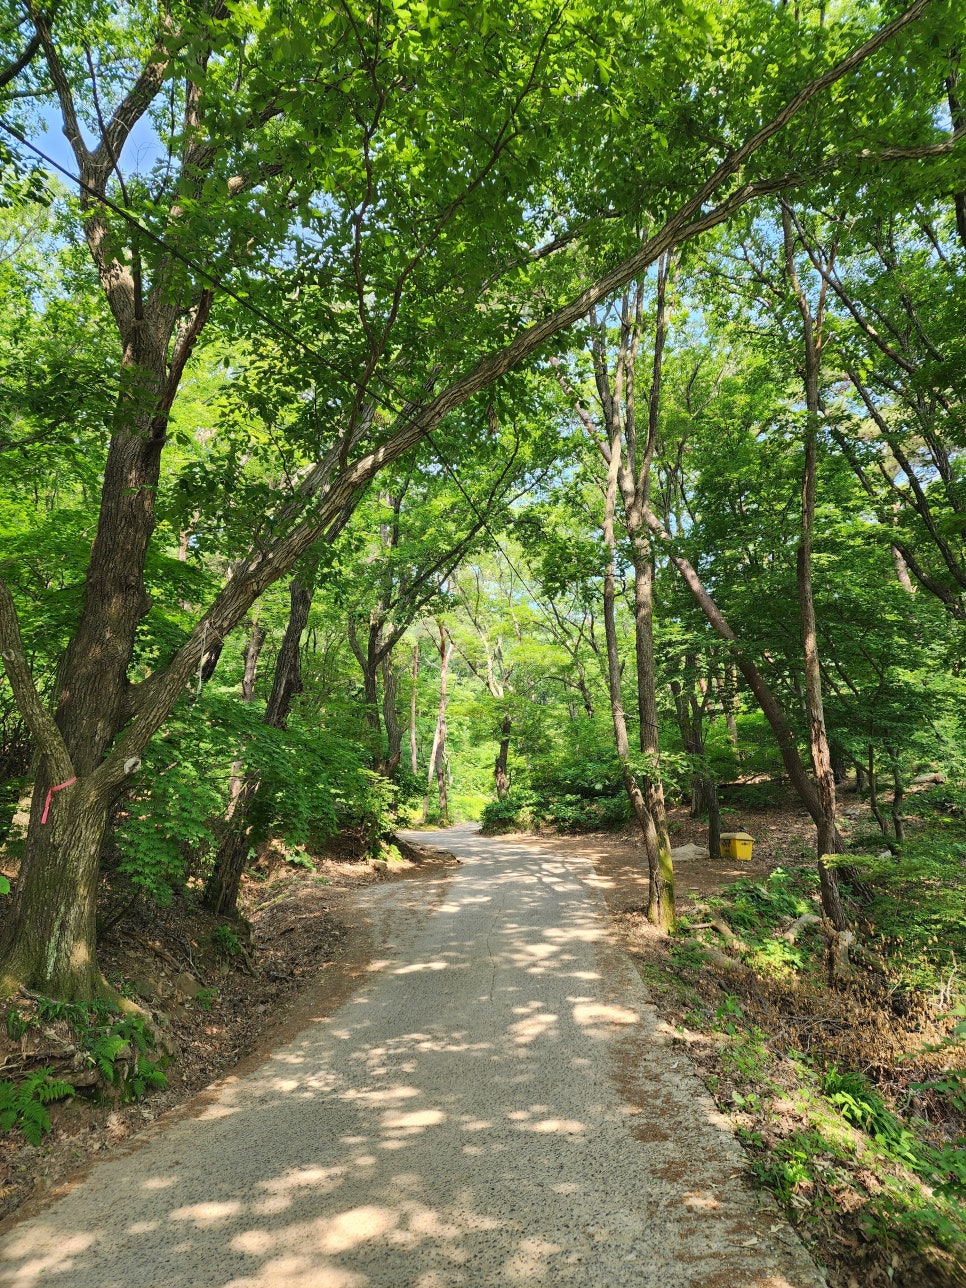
(489, 950)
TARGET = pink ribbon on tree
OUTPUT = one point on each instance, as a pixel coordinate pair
(59, 788)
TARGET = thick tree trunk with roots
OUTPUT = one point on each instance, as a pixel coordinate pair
(56, 896)
(48, 938)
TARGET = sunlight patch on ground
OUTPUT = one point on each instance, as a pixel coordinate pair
(590, 1013)
(699, 1201)
(300, 1272)
(60, 1262)
(556, 1126)
(205, 1214)
(529, 1262)
(359, 1225)
(413, 1122)
(381, 1096)
(527, 1030)
(280, 1190)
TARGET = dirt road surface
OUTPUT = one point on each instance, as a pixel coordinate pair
(496, 1103)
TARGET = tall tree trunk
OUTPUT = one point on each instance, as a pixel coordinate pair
(726, 705)
(390, 717)
(618, 717)
(660, 904)
(501, 778)
(437, 760)
(253, 649)
(221, 891)
(704, 791)
(413, 746)
(368, 659)
(828, 837)
(828, 840)
(874, 794)
(708, 787)
(898, 795)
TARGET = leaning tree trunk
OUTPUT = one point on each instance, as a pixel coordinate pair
(221, 891)
(770, 706)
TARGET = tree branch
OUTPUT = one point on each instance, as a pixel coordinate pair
(39, 721)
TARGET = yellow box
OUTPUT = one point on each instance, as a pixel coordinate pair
(736, 845)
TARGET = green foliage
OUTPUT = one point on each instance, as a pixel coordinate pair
(918, 903)
(788, 1165)
(23, 1104)
(299, 859)
(687, 956)
(515, 812)
(861, 1106)
(168, 828)
(225, 941)
(762, 905)
(523, 809)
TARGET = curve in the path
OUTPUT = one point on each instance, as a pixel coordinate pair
(496, 1105)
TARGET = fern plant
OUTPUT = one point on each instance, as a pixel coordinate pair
(117, 1045)
(24, 1104)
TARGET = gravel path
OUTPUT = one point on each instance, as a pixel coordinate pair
(495, 1105)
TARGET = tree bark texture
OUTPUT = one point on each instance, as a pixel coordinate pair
(501, 777)
(618, 716)
(390, 717)
(221, 891)
(413, 697)
(437, 760)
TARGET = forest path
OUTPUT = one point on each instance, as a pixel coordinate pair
(496, 1104)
